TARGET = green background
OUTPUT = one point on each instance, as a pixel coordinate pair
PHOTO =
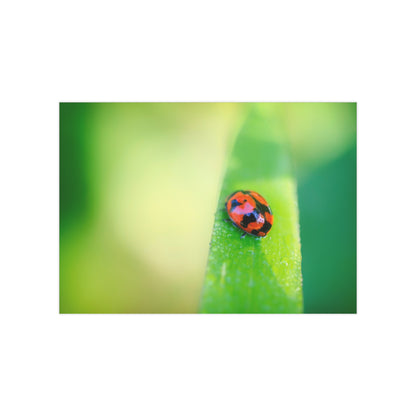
(139, 186)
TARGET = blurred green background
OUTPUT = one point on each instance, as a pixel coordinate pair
(139, 185)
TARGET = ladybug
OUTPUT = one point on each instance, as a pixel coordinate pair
(249, 211)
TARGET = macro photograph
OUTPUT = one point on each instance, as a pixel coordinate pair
(207, 207)
(192, 225)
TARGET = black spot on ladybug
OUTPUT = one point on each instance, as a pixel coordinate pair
(266, 227)
(261, 207)
(248, 218)
(234, 204)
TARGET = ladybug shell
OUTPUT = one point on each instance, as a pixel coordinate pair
(250, 211)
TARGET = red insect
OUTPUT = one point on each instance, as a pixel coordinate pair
(249, 211)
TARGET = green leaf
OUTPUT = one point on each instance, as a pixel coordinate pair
(257, 275)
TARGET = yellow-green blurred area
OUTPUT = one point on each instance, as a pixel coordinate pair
(139, 186)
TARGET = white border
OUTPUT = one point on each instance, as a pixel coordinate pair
(205, 365)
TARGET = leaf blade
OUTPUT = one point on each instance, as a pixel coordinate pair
(257, 275)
